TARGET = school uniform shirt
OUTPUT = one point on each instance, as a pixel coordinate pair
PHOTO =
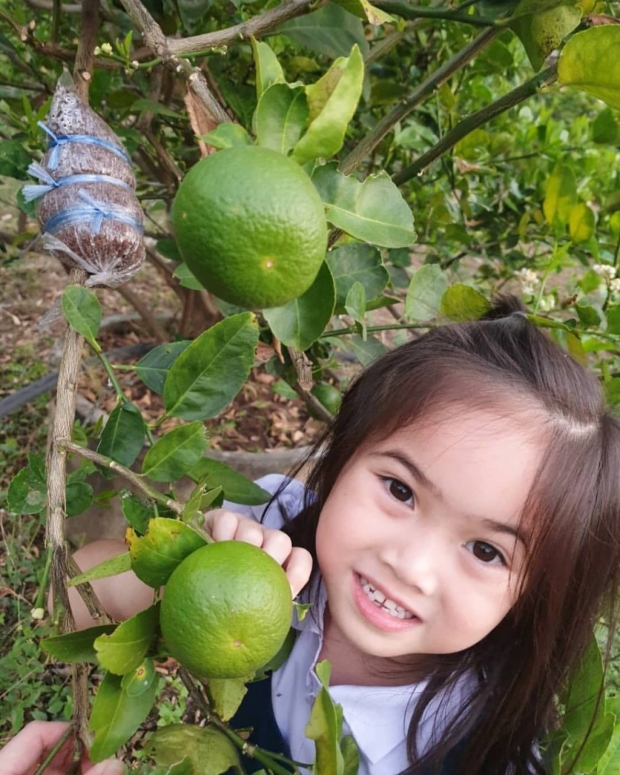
(377, 716)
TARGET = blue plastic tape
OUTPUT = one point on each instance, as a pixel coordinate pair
(93, 212)
(32, 191)
(56, 141)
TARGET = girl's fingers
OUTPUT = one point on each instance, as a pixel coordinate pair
(30, 746)
(298, 568)
(222, 524)
(278, 545)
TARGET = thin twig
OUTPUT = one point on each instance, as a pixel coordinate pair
(436, 79)
(450, 139)
(126, 473)
(154, 326)
(50, 756)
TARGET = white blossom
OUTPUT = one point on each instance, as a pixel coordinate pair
(106, 48)
(528, 279)
(605, 271)
(37, 614)
(614, 285)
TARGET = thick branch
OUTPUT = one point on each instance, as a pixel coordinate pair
(463, 128)
(84, 59)
(254, 27)
(427, 87)
(155, 39)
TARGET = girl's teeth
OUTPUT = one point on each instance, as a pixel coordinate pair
(380, 600)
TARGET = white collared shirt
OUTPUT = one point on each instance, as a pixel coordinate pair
(376, 716)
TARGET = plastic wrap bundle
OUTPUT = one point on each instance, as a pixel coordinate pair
(89, 215)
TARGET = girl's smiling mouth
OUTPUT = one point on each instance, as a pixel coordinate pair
(379, 610)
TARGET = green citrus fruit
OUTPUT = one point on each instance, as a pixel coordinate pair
(226, 610)
(251, 226)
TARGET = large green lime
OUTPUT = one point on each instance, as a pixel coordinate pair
(226, 610)
(251, 226)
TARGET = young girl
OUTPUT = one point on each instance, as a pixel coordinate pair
(458, 538)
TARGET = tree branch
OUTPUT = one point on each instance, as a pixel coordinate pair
(520, 94)
(126, 473)
(441, 75)
(255, 27)
(84, 59)
(407, 11)
(159, 44)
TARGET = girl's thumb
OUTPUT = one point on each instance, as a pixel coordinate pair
(109, 767)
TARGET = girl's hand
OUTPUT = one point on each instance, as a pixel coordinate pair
(224, 525)
(29, 748)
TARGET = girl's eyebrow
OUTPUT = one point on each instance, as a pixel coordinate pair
(422, 478)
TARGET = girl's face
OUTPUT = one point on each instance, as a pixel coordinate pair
(419, 543)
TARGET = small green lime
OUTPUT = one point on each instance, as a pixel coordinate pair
(251, 226)
(226, 610)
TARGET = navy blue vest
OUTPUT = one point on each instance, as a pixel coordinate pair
(256, 711)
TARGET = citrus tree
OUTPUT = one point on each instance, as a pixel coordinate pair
(284, 153)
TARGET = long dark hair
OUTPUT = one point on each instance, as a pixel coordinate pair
(573, 514)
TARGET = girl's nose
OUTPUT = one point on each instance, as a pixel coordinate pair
(416, 563)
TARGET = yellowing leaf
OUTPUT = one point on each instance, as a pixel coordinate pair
(591, 62)
(560, 196)
(580, 223)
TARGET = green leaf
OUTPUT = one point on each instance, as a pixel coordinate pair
(237, 488)
(595, 746)
(187, 278)
(208, 749)
(581, 223)
(82, 310)
(610, 761)
(76, 646)
(353, 263)
(606, 128)
(227, 695)
(300, 322)
(210, 372)
(123, 435)
(591, 62)
(281, 117)
(350, 755)
(461, 302)
(366, 351)
(332, 101)
(166, 543)
(192, 11)
(135, 511)
(124, 650)
(140, 680)
(325, 727)
(116, 716)
(79, 497)
(121, 563)
(27, 493)
(268, 69)
(355, 305)
(154, 367)
(157, 108)
(175, 454)
(425, 293)
(373, 211)
(561, 195)
(364, 10)
(542, 27)
(330, 31)
(582, 703)
(14, 159)
(226, 135)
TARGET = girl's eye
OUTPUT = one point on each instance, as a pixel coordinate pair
(398, 490)
(486, 553)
